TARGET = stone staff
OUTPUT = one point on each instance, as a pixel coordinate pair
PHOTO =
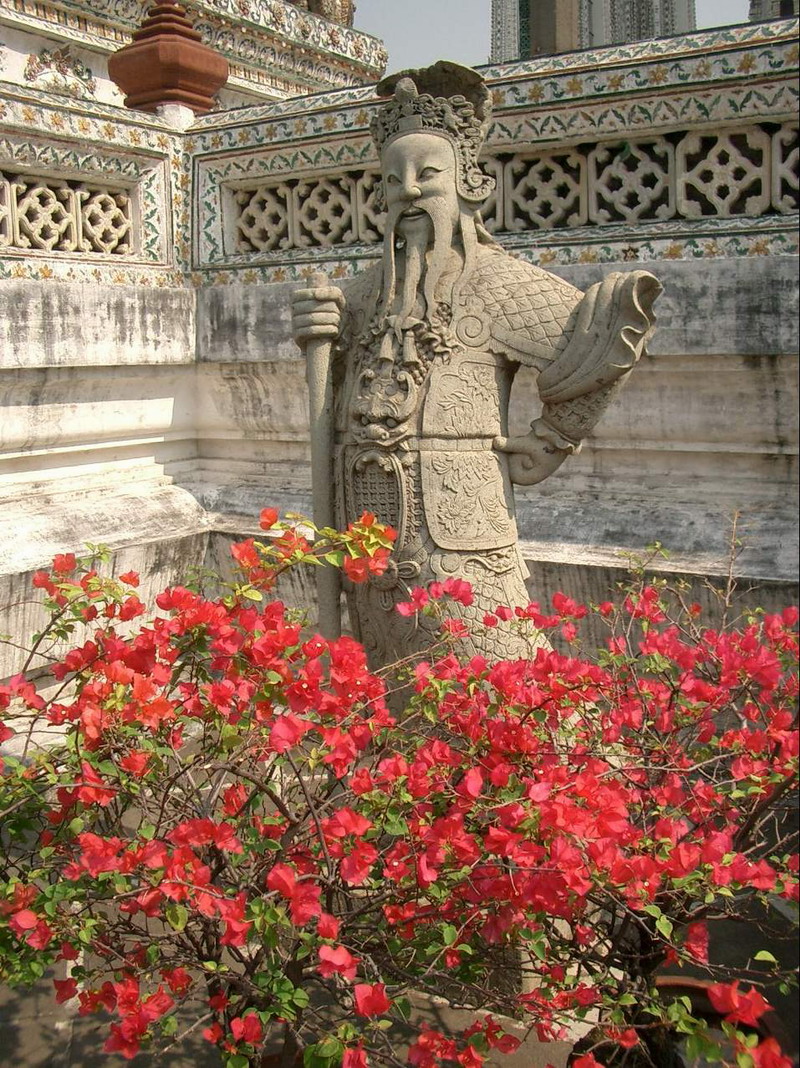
(320, 406)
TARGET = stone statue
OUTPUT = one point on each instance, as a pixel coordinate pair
(424, 347)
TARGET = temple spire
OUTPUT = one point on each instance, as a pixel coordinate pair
(167, 63)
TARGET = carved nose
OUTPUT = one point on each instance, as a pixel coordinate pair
(411, 192)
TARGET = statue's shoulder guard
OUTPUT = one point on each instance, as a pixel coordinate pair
(524, 312)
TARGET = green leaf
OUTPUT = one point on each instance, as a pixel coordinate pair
(300, 998)
(402, 1006)
(312, 1058)
(329, 1047)
(449, 934)
(764, 954)
(664, 926)
(396, 826)
(238, 1060)
(177, 916)
(86, 934)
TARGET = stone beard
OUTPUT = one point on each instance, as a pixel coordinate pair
(424, 358)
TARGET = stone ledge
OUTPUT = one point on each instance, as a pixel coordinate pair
(745, 307)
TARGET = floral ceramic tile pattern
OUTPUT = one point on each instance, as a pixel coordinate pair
(679, 148)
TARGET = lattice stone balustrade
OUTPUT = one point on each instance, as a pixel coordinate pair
(64, 215)
(744, 171)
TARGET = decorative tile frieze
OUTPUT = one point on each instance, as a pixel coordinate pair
(699, 129)
(717, 39)
(274, 48)
(121, 166)
(685, 148)
(554, 85)
(58, 70)
(689, 174)
(610, 245)
(108, 204)
(57, 215)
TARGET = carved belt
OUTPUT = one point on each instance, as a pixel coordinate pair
(416, 444)
(450, 444)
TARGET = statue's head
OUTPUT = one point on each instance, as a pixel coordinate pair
(429, 134)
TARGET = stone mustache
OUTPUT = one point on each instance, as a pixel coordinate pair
(411, 365)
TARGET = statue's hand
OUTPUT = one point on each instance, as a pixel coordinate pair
(316, 313)
(530, 458)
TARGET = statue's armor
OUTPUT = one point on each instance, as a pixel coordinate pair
(416, 414)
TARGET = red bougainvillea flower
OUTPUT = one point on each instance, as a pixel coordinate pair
(247, 1029)
(419, 598)
(336, 960)
(696, 941)
(303, 824)
(588, 1060)
(738, 1006)
(246, 554)
(64, 563)
(213, 1033)
(66, 989)
(268, 518)
(768, 1054)
(357, 1058)
(371, 999)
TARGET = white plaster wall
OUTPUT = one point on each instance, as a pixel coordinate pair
(705, 427)
(152, 420)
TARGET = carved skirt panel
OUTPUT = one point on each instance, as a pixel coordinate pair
(468, 499)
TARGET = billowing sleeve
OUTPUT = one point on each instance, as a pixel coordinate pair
(614, 321)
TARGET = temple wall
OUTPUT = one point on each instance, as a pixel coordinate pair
(151, 397)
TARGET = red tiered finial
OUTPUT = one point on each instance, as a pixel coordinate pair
(167, 63)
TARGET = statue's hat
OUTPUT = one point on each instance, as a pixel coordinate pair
(446, 100)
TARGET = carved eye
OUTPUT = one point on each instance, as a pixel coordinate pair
(429, 172)
(392, 179)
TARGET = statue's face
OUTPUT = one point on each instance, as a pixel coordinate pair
(419, 175)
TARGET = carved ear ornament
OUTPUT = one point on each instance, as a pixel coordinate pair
(446, 100)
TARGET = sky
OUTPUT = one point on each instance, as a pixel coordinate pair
(417, 32)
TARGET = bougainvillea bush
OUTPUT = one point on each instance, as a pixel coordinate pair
(230, 831)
